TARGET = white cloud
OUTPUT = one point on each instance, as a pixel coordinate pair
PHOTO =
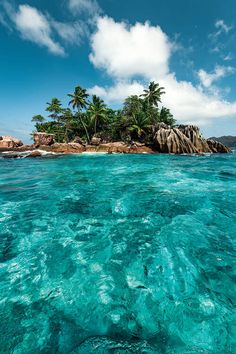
(35, 27)
(84, 6)
(42, 29)
(118, 92)
(126, 52)
(207, 79)
(4, 22)
(71, 33)
(32, 25)
(228, 57)
(222, 27)
(190, 104)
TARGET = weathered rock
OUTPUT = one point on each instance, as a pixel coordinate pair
(25, 148)
(217, 147)
(91, 148)
(64, 148)
(153, 129)
(116, 147)
(43, 139)
(104, 136)
(10, 156)
(9, 142)
(21, 148)
(121, 148)
(95, 141)
(138, 148)
(161, 125)
(78, 140)
(34, 154)
(185, 139)
(193, 134)
(173, 141)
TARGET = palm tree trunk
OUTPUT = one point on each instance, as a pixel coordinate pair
(95, 126)
(86, 131)
(66, 136)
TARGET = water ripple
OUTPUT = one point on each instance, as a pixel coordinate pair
(118, 254)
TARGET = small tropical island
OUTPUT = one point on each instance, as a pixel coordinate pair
(142, 125)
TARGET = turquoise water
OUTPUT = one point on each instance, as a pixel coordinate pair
(118, 254)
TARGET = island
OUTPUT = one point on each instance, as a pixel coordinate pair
(227, 140)
(140, 126)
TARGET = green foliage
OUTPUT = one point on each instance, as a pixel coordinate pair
(153, 94)
(166, 117)
(97, 112)
(78, 98)
(133, 122)
(66, 119)
(38, 119)
(79, 101)
(54, 108)
(139, 125)
(51, 128)
(132, 105)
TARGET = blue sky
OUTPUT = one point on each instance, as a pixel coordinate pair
(114, 48)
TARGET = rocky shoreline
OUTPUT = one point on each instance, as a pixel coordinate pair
(184, 139)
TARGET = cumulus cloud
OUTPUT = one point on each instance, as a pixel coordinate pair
(190, 104)
(126, 52)
(207, 79)
(84, 6)
(119, 91)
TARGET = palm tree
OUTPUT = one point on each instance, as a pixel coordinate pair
(67, 120)
(38, 118)
(78, 100)
(153, 94)
(97, 112)
(132, 105)
(54, 107)
(139, 123)
(166, 117)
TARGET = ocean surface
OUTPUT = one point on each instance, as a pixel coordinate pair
(118, 254)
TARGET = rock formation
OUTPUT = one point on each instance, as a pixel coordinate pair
(95, 141)
(63, 148)
(173, 141)
(193, 134)
(185, 139)
(216, 146)
(228, 140)
(34, 154)
(43, 139)
(120, 147)
(9, 142)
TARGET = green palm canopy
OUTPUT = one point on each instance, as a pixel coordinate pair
(98, 112)
(153, 93)
(79, 98)
(79, 101)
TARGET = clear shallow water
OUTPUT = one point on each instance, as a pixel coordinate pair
(118, 254)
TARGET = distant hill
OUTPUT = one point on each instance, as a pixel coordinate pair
(228, 140)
